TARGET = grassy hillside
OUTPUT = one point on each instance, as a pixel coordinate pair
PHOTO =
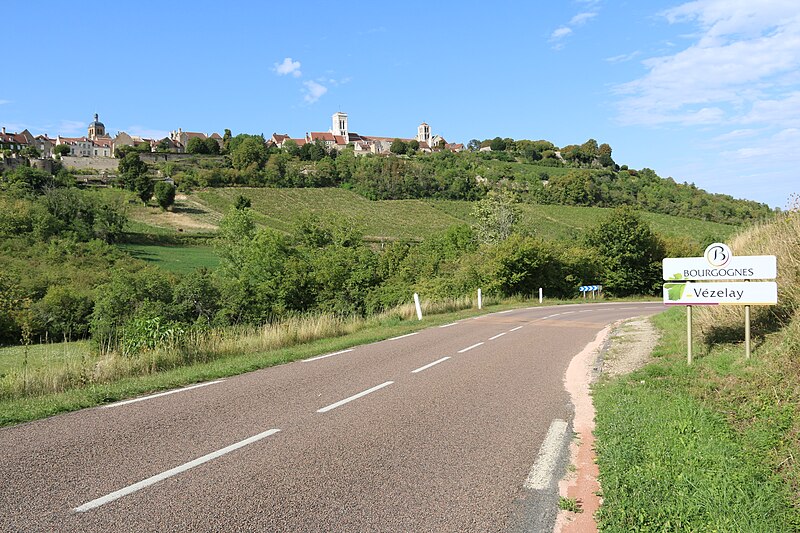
(284, 209)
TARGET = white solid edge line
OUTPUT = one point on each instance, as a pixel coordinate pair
(326, 355)
(515, 329)
(497, 336)
(143, 398)
(568, 312)
(506, 311)
(354, 397)
(404, 336)
(448, 325)
(545, 464)
(470, 347)
(169, 473)
(420, 369)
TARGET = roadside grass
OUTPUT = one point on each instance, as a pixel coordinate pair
(711, 447)
(45, 355)
(180, 259)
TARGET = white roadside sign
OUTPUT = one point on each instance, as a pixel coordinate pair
(718, 263)
(721, 293)
(738, 267)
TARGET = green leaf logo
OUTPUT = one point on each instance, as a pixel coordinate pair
(675, 291)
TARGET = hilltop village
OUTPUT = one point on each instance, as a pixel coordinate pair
(99, 143)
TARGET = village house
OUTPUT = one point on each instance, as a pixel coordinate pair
(340, 136)
(181, 138)
(15, 141)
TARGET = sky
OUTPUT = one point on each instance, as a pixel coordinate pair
(705, 91)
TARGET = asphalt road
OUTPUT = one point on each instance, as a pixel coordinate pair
(435, 431)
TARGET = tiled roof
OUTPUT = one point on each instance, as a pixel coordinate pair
(16, 138)
(321, 135)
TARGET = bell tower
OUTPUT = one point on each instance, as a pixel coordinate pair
(339, 125)
(424, 133)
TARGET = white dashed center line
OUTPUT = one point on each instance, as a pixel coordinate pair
(354, 397)
(143, 398)
(497, 336)
(420, 369)
(404, 336)
(169, 473)
(468, 348)
(515, 329)
(326, 355)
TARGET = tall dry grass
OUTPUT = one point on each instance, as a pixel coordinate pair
(779, 237)
(110, 364)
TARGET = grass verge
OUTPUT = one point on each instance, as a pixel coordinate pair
(710, 447)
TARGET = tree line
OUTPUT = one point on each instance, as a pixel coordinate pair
(582, 175)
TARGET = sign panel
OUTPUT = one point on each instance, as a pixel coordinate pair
(722, 293)
(718, 263)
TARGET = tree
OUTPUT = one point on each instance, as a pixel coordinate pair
(226, 139)
(30, 152)
(212, 146)
(604, 152)
(61, 149)
(242, 202)
(398, 147)
(196, 145)
(133, 176)
(474, 145)
(630, 253)
(496, 215)
(165, 194)
(413, 144)
(250, 151)
(497, 144)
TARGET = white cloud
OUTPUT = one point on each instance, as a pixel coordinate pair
(313, 91)
(561, 32)
(735, 135)
(582, 18)
(737, 60)
(4, 102)
(623, 57)
(288, 67)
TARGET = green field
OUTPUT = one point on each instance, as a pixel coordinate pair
(175, 258)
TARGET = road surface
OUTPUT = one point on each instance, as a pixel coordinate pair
(439, 430)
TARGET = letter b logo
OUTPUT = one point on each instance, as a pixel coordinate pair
(718, 254)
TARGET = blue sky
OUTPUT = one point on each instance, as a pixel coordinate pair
(706, 91)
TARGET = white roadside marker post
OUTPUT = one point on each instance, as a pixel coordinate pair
(540, 295)
(480, 300)
(689, 334)
(416, 304)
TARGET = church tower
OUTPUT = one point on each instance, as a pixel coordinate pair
(339, 125)
(96, 128)
(424, 133)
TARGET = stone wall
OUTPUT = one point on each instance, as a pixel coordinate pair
(97, 163)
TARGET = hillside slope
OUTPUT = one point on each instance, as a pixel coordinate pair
(284, 209)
